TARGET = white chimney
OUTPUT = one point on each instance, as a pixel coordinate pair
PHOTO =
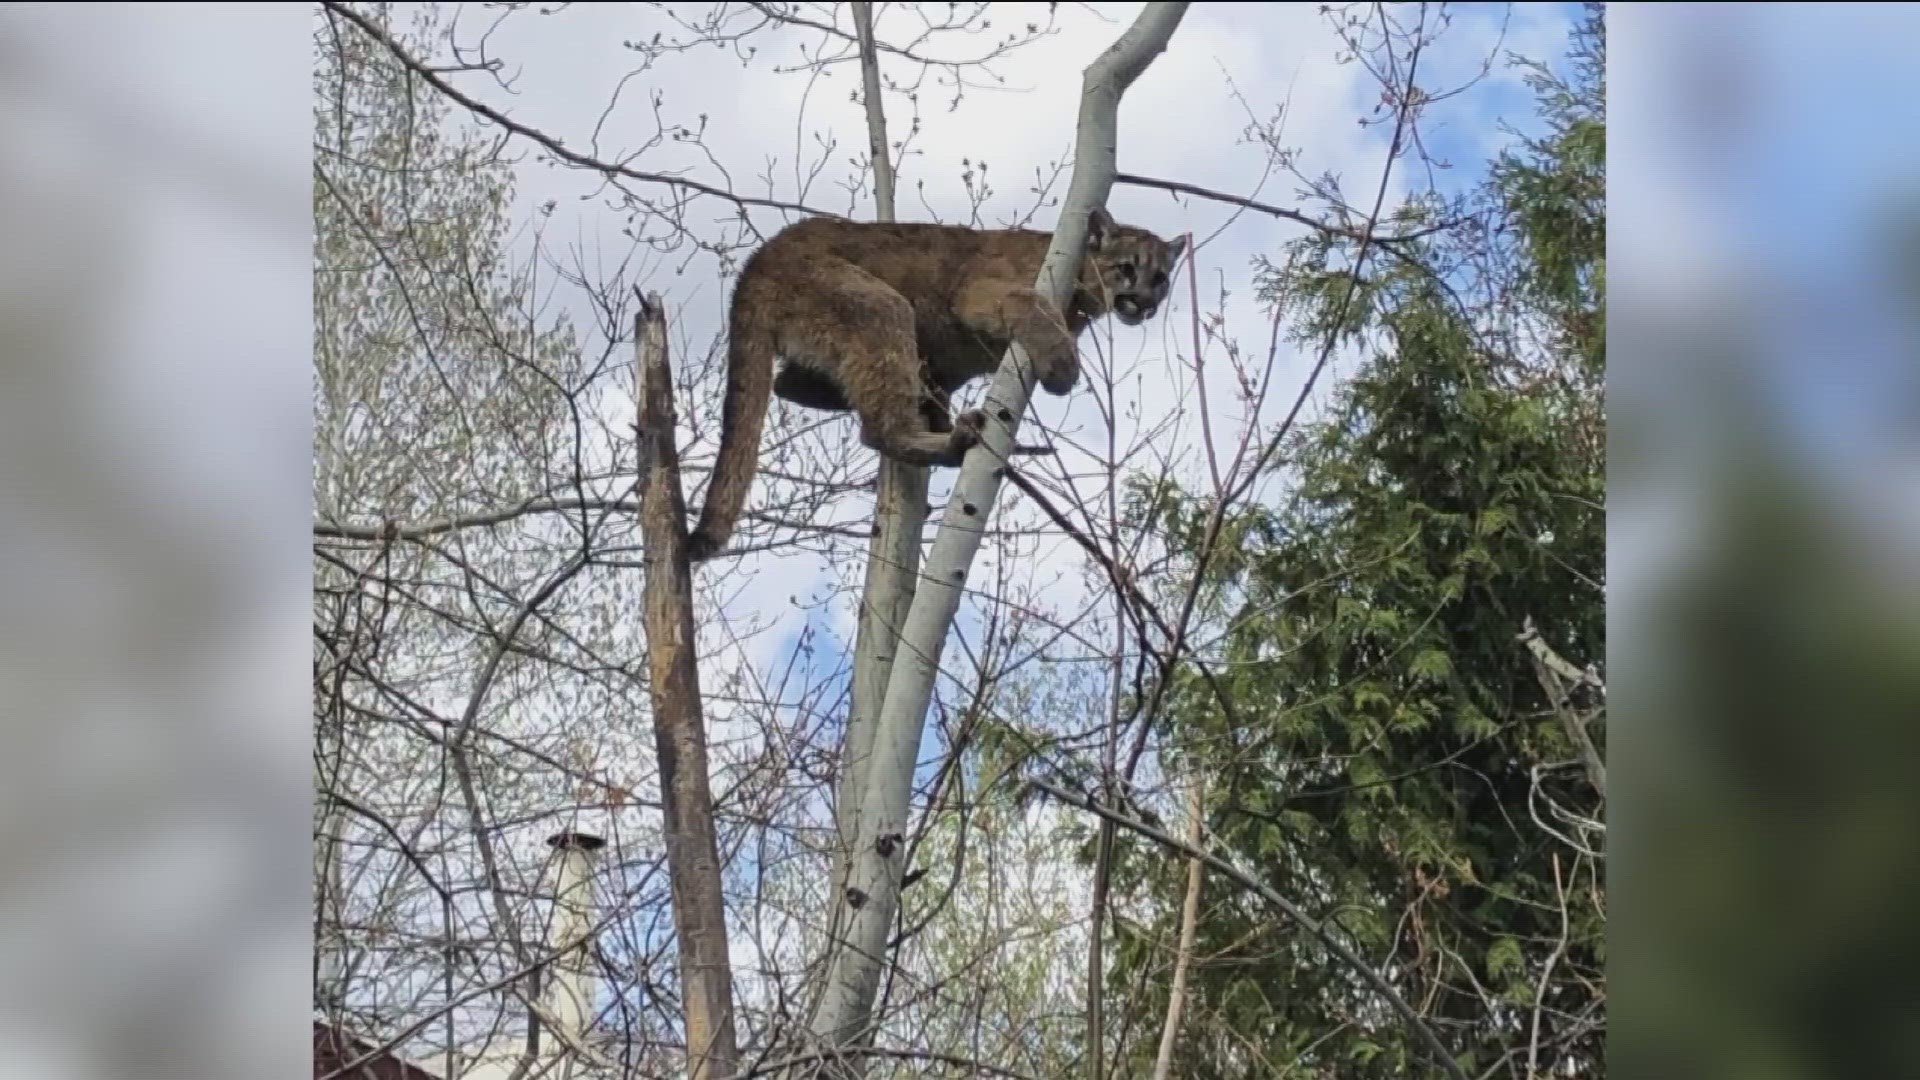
(569, 987)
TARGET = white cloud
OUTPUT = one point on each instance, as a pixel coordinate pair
(1180, 121)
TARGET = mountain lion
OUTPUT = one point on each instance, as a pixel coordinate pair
(887, 320)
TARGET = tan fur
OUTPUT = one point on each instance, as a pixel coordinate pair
(888, 320)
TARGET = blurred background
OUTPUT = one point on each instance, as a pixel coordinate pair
(1764, 492)
(155, 533)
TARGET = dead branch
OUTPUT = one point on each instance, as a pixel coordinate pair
(693, 861)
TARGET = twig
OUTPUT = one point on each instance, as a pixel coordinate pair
(1334, 945)
(879, 1051)
(551, 144)
(394, 530)
(1280, 211)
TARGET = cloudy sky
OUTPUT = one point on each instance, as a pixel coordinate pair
(775, 129)
(1186, 119)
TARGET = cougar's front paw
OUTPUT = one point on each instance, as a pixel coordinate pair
(1059, 372)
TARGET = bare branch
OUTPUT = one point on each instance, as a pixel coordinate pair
(1279, 211)
(1441, 1055)
(548, 142)
(1559, 677)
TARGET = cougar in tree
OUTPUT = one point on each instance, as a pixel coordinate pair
(888, 320)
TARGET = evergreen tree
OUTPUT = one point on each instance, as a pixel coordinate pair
(1398, 766)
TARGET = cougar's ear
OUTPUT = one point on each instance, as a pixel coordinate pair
(1099, 228)
(1176, 249)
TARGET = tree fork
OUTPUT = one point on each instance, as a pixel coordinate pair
(880, 814)
(900, 516)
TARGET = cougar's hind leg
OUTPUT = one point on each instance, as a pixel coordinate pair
(853, 324)
(936, 407)
(813, 390)
(809, 388)
(898, 415)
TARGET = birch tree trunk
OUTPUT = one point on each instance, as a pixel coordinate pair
(900, 517)
(867, 902)
(680, 739)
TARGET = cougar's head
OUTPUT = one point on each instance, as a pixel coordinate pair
(1128, 269)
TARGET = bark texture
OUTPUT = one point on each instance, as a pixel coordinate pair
(680, 732)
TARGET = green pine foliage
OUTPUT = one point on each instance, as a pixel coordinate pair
(1397, 767)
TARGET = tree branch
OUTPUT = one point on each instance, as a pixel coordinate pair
(552, 145)
(394, 530)
(1558, 677)
(1240, 877)
(1278, 211)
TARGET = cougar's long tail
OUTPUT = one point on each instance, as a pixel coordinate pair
(743, 412)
